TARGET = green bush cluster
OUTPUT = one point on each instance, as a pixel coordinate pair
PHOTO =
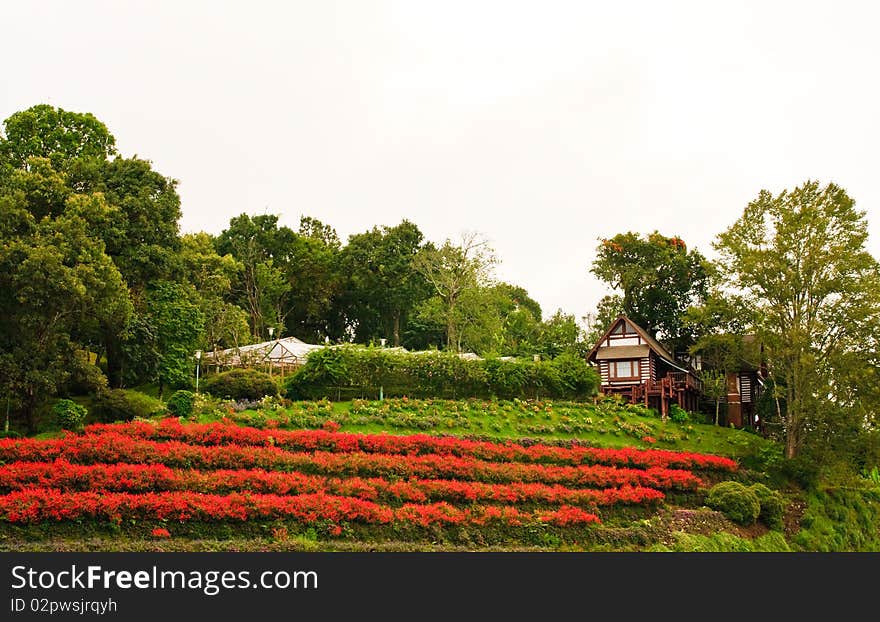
(241, 384)
(122, 405)
(772, 506)
(745, 505)
(69, 414)
(351, 372)
(180, 404)
(736, 501)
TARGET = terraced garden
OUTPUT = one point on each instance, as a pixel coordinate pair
(298, 481)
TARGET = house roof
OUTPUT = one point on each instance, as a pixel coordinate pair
(287, 350)
(622, 352)
(654, 345)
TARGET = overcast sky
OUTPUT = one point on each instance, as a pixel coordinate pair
(544, 125)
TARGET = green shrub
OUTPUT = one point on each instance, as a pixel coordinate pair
(737, 502)
(841, 519)
(349, 372)
(124, 405)
(69, 414)
(772, 505)
(180, 404)
(678, 414)
(241, 384)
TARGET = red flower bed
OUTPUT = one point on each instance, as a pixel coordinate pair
(114, 447)
(37, 505)
(174, 472)
(328, 440)
(155, 477)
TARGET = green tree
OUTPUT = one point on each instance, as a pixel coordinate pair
(56, 286)
(453, 270)
(383, 287)
(211, 276)
(659, 279)
(61, 136)
(560, 334)
(263, 249)
(714, 387)
(800, 259)
(178, 326)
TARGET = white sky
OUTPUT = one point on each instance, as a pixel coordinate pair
(545, 125)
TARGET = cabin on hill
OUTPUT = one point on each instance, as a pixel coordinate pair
(744, 387)
(636, 366)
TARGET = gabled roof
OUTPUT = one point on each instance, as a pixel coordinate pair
(286, 350)
(653, 344)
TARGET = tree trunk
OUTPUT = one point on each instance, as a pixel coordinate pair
(113, 351)
(397, 329)
(451, 332)
(717, 408)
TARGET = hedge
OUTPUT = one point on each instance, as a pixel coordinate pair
(241, 384)
(123, 405)
(348, 372)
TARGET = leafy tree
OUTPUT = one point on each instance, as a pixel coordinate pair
(56, 285)
(383, 287)
(212, 276)
(714, 387)
(452, 270)
(659, 279)
(263, 249)
(43, 131)
(800, 259)
(561, 334)
(178, 323)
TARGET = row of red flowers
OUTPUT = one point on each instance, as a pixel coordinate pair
(42, 504)
(114, 447)
(156, 477)
(311, 440)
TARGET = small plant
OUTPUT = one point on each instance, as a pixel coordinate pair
(735, 501)
(180, 404)
(772, 506)
(69, 414)
(678, 414)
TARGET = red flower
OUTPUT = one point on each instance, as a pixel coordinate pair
(160, 532)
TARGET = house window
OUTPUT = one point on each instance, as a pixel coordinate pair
(625, 369)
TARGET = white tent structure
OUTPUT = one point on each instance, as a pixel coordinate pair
(283, 354)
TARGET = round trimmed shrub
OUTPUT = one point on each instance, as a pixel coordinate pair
(180, 404)
(124, 405)
(241, 384)
(69, 414)
(737, 502)
(772, 506)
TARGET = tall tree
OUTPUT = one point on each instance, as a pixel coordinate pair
(659, 279)
(263, 249)
(56, 285)
(452, 270)
(383, 286)
(800, 259)
(211, 276)
(43, 131)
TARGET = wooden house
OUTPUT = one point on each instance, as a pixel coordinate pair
(744, 387)
(633, 364)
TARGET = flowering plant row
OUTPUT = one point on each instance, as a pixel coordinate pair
(42, 504)
(156, 477)
(311, 440)
(114, 447)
